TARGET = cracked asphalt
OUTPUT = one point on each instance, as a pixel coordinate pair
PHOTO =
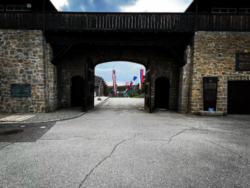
(120, 145)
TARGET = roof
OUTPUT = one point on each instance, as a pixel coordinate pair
(98, 80)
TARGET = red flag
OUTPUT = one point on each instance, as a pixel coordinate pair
(130, 85)
(114, 81)
(127, 84)
(141, 78)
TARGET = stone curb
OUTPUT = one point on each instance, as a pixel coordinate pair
(55, 120)
(210, 113)
(101, 103)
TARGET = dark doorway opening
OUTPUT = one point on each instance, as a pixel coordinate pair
(77, 91)
(162, 87)
(238, 97)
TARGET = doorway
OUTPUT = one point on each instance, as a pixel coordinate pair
(238, 97)
(77, 91)
(162, 87)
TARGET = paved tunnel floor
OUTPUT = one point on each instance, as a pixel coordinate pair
(118, 145)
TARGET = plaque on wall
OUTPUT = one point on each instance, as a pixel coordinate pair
(242, 62)
(20, 90)
(209, 92)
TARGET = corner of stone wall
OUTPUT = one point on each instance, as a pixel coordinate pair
(22, 62)
(184, 85)
(51, 80)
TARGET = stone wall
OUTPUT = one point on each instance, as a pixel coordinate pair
(73, 64)
(214, 55)
(23, 56)
(170, 69)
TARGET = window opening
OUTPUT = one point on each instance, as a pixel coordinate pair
(244, 10)
(1, 8)
(223, 10)
(17, 8)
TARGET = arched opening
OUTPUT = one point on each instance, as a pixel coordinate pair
(77, 91)
(123, 83)
(95, 63)
(162, 87)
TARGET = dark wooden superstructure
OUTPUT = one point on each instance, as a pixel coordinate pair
(26, 6)
(124, 22)
(219, 6)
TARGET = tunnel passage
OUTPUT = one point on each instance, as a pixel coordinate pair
(162, 87)
(77, 91)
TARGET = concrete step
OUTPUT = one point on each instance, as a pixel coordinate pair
(211, 113)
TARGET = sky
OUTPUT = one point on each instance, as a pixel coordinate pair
(124, 70)
(122, 5)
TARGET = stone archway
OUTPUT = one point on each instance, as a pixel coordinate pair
(161, 65)
(162, 88)
(77, 91)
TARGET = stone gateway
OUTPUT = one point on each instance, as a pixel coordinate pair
(49, 63)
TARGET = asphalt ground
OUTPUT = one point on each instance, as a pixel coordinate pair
(120, 145)
(23, 132)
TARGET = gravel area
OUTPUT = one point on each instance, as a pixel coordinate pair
(50, 116)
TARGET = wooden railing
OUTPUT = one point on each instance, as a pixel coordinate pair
(160, 22)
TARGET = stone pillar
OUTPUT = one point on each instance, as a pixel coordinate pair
(22, 61)
(51, 81)
(184, 85)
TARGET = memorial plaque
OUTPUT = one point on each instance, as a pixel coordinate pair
(20, 90)
(242, 62)
(209, 92)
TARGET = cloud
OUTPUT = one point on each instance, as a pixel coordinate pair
(125, 71)
(122, 5)
(119, 83)
(103, 69)
(92, 5)
(157, 6)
